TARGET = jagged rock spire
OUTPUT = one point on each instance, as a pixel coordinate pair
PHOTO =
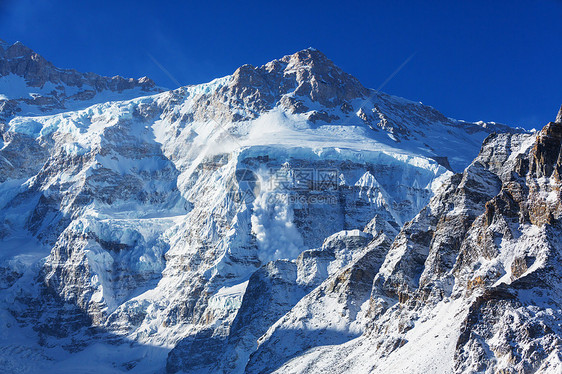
(559, 116)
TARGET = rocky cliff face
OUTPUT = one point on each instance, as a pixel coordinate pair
(471, 284)
(201, 229)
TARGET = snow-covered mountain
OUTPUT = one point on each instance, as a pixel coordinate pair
(236, 225)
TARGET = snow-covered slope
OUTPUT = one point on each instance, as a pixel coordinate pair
(129, 226)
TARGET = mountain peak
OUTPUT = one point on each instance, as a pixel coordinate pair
(305, 76)
(559, 116)
(308, 59)
(309, 56)
(18, 49)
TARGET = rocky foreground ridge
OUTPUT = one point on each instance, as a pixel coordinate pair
(471, 284)
(283, 218)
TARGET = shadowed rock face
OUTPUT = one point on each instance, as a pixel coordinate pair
(546, 152)
(559, 116)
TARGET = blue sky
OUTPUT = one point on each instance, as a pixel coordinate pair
(474, 60)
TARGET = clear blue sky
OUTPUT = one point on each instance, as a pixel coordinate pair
(490, 60)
